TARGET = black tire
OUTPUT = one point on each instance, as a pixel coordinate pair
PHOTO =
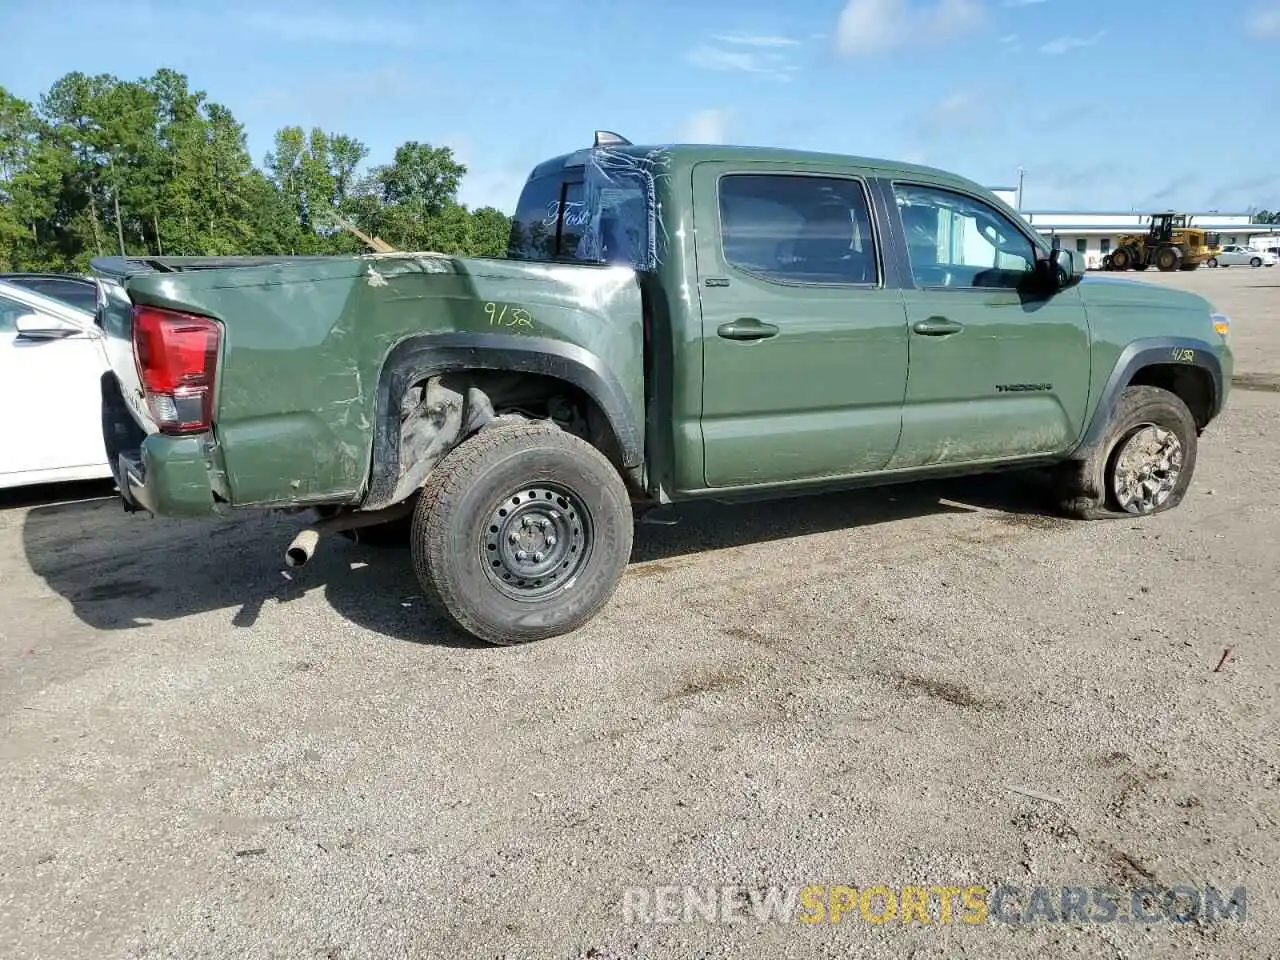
(1086, 488)
(1255, 262)
(531, 472)
(1121, 259)
(1213, 262)
(1166, 259)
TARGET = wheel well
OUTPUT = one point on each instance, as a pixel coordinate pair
(540, 396)
(1193, 385)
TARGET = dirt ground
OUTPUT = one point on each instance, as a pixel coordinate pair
(933, 685)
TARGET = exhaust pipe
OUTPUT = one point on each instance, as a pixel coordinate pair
(304, 544)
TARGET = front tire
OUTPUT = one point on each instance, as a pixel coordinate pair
(1143, 465)
(522, 533)
(1166, 259)
(1255, 262)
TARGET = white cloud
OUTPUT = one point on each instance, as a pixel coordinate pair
(871, 26)
(707, 126)
(321, 28)
(960, 113)
(1060, 45)
(765, 63)
(753, 40)
(462, 146)
(1265, 22)
(322, 98)
(1009, 38)
(492, 187)
(1021, 3)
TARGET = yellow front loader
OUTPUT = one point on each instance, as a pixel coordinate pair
(1170, 244)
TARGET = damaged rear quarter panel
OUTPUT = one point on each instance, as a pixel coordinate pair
(305, 343)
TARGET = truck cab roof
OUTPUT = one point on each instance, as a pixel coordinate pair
(690, 153)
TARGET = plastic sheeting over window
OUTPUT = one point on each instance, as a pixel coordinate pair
(604, 211)
(622, 201)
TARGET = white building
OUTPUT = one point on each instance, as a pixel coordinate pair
(1094, 234)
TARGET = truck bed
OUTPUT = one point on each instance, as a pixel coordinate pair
(316, 352)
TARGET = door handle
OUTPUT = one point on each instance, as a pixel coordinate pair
(937, 327)
(746, 328)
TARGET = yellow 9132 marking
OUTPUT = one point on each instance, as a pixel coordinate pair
(1184, 354)
(504, 315)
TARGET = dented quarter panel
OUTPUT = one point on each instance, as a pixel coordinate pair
(305, 343)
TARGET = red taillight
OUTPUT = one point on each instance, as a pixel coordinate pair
(177, 357)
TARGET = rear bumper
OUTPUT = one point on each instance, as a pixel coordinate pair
(167, 476)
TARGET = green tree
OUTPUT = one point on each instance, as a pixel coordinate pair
(492, 232)
(152, 166)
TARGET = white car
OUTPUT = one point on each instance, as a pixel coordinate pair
(52, 358)
(1234, 255)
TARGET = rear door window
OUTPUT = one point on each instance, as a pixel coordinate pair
(797, 228)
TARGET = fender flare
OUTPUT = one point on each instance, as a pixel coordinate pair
(426, 355)
(1145, 353)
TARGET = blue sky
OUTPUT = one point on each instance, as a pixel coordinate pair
(1063, 88)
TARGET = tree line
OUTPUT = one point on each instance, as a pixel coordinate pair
(102, 166)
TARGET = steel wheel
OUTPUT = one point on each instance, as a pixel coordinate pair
(537, 540)
(1148, 463)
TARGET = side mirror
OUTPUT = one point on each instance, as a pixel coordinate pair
(1057, 271)
(1065, 262)
(35, 326)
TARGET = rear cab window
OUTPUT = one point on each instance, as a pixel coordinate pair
(550, 218)
(597, 211)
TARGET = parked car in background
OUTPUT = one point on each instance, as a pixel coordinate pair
(69, 288)
(52, 358)
(1236, 255)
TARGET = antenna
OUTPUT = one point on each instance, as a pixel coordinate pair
(607, 138)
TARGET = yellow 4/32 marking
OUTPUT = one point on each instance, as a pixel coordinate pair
(504, 315)
(1184, 354)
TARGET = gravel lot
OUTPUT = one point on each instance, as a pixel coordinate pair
(203, 758)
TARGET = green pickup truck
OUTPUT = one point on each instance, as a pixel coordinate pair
(669, 323)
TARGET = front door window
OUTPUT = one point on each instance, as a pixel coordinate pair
(958, 241)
